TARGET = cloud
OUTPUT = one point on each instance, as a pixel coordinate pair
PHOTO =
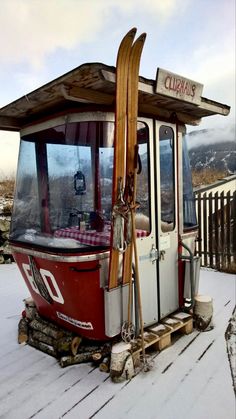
(34, 29)
(211, 63)
(163, 10)
(46, 38)
(29, 80)
(211, 136)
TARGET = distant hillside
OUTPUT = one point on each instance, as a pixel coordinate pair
(218, 156)
(213, 149)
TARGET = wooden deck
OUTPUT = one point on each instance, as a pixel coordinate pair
(191, 378)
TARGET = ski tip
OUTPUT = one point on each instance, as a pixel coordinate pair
(129, 37)
(142, 37)
(126, 44)
(132, 32)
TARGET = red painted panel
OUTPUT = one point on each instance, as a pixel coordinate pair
(78, 299)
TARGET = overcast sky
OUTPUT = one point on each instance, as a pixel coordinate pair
(43, 39)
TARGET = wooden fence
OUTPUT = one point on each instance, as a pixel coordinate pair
(216, 244)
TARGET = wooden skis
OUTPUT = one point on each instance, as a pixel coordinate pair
(122, 66)
(130, 188)
(124, 203)
(132, 152)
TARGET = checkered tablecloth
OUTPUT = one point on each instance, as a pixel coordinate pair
(91, 237)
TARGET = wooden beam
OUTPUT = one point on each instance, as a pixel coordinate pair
(214, 107)
(89, 95)
(8, 123)
(160, 112)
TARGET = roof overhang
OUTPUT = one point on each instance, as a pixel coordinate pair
(94, 84)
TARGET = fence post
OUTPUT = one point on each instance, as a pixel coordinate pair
(210, 231)
(222, 229)
(228, 230)
(199, 214)
(205, 241)
(234, 227)
(216, 229)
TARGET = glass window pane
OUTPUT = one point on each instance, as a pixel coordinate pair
(189, 209)
(64, 187)
(143, 180)
(167, 178)
(63, 163)
(25, 216)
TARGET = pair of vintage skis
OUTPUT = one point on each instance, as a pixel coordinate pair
(125, 173)
(125, 158)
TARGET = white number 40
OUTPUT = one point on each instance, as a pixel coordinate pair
(49, 281)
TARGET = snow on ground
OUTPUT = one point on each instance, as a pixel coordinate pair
(191, 378)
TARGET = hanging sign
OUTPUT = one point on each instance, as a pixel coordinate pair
(178, 87)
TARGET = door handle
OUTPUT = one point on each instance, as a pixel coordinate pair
(154, 254)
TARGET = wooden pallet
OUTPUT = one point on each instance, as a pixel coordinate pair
(158, 337)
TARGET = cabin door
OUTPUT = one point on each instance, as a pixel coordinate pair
(166, 217)
(157, 196)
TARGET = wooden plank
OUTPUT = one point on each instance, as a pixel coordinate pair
(175, 324)
(164, 86)
(89, 95)
(158, 337)
(163, 112)
(182, 316)
(9, 123)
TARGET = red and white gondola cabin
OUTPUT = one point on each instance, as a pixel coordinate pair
(62, 219)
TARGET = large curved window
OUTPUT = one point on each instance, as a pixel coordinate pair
(63, 193)
(64, 186)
